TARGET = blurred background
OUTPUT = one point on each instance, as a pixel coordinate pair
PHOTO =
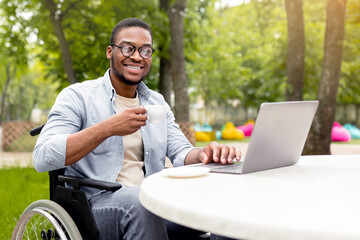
(234, 56)
(215, 62)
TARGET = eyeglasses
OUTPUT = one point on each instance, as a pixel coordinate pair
(128, 50)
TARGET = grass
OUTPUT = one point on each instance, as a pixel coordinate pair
(353, 141)
(203, 144)
(19, 187)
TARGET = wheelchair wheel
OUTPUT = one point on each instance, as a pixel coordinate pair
(45, 219)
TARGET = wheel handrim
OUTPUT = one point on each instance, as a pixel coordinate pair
(38, 220)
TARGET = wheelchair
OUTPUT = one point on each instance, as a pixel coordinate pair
(67, 215)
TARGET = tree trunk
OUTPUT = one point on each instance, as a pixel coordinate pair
(4, 92)
(178, 73)
(55, 19)
(320, 135)
(177, 59)
(165, 85)
(296, 50)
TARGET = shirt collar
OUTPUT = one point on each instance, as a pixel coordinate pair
(143, 90)
(110, 90)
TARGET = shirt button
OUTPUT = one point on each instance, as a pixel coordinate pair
(146, 153)
(142, 129)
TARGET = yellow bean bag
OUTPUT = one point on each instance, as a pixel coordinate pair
(202, 137)
(231, 133)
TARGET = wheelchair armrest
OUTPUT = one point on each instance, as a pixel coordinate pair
(76, 182)
(36, 131)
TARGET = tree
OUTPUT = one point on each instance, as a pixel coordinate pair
(56, 18)
(165, 83)
(9, 75)
(74, 35)
(13, 55)
(296, 50)
(349, 85)
(320, 134)
(240, 55)
(177, 60)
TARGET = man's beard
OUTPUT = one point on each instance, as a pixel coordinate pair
(121, 76)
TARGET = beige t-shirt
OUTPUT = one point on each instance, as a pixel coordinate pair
(131, 173)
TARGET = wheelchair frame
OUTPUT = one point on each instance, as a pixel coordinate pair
(68, 207)
(72, 200)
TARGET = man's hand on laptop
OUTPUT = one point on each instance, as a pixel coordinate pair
(215, 152)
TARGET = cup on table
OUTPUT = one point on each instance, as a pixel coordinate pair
(155, 113)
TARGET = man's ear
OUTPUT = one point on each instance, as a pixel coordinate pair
(109, 52)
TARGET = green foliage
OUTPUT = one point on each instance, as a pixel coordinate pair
(13, 54)
(87, 27)
(314, 17)
(241, 54)
(12, 35)
(349, 89)
(19, 188)
(27, 85)
(233, 55)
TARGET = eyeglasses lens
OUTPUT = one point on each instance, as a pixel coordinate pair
(127, 51)
(146, 52)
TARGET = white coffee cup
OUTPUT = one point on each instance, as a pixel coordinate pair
(155, 113)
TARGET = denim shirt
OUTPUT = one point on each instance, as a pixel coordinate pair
(82, 105)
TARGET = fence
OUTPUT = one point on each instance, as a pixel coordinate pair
(188, 131)
(218, 116)
(15, 137)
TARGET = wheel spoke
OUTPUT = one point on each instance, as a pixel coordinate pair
(45, 219)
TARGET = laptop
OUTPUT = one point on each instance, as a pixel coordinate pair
(278, 137)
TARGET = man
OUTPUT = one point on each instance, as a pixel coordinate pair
(98, 129)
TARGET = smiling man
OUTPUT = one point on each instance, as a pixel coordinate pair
(98, 129)
(130, 61)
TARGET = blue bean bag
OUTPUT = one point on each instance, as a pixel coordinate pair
(354, 131)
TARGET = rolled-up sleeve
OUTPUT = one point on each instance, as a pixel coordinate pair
(50, 154)
(64, 119)
(178, 146)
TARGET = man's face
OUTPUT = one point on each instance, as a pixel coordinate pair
(130, 70)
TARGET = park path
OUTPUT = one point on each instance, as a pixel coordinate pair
(21, 159)
(15, 159)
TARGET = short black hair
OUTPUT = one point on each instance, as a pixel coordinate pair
(126, 23)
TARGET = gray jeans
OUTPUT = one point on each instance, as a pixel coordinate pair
(120, 215)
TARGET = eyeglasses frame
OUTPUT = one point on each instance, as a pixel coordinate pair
(136, 48)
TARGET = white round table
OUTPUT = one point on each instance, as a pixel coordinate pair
(318, 198)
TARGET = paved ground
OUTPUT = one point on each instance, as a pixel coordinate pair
(25, 159)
